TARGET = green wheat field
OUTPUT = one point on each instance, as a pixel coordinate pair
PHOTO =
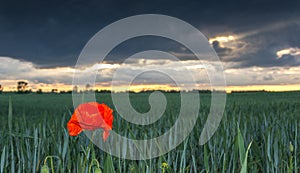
(259, 132)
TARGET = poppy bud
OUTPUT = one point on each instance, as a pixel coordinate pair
(291, 147)
(45, 169)
(98, 170)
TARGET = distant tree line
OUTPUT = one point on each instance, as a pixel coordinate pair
(22, 88)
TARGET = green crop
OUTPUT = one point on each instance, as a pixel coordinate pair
(258, 133)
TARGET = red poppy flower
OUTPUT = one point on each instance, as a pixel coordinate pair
(91, 116)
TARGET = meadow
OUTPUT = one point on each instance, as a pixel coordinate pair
(34, 137)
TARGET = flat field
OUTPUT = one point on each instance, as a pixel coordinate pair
(33, 134)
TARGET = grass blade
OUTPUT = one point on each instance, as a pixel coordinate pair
(206, 165)
(108, 165)
(10, 109)
(3, 159)
(241, 146)
(244, 166)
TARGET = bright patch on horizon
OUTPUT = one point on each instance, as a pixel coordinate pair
(288, 51)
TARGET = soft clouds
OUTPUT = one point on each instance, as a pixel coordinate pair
(15, 70)
(262, 76)
(144, 72)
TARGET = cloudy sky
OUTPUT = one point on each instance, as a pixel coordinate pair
(257, 41)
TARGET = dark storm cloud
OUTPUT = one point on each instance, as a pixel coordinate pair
(52, 33)
(267, 43)
(222, 51)
(144, 43)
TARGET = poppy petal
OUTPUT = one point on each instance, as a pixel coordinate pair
(91, 116)
(74, 129)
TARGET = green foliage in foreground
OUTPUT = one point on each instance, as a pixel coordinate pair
(258, 133)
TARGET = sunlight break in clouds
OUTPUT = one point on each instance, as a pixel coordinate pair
(222, 39)
(294, 51)
(231, 47)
